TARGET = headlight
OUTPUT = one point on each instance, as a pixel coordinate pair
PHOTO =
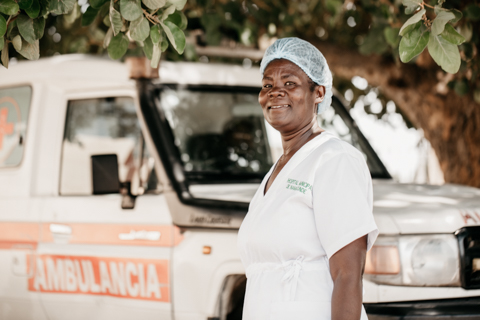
(420, 260)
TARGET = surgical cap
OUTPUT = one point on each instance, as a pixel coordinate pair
(308, 58)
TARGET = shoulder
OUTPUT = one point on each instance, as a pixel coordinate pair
(333, 147)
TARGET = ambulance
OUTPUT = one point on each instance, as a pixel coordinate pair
(121, 198)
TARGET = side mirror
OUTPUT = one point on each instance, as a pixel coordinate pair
(105, 174)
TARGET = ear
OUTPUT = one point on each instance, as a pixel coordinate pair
(319, 94)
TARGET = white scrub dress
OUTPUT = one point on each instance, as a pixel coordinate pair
(320, 201)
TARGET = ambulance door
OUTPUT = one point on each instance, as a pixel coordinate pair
(97, 260)
(19, 225)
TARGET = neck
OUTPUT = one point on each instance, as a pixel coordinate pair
(292, 141)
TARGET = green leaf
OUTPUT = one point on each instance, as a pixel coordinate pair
(44, 8)
(439, 23)
(139, 29)
(148, 48)
(179, 4)
(411, 5)
(131, 10)
(472, 12)
(168, 11)
(438, 9)
(413, 20)
(155, 34)
(25, 27)
(13, 32)
(466, 30)
(39, 27)
(34, 10)
(391, 35)
(104, 10)
(2, 43)
(164, 44)
(108, 38)
(452, 36)
(118, 46)
(444, 53)
(410, 10)
(9, 7)
(60, 6)
(156, 54)
(179, 19)
(89, 16)
(12, 26)
(4, 56)
(31, 51)
(413, 43)
(106, 21)
(154, 4)
(97, 4)
(70, 18)
(115, 20)
(174, 35)
(3, 26)
(458, 15)
(24, 4)
(17, 42)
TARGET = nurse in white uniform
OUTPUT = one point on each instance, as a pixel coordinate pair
(304, 240)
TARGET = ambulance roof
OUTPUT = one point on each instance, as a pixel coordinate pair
(73, 69)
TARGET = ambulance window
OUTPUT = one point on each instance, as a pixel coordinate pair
(14, 109)
(104, 126)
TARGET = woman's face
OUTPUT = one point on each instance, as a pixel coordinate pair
(287, 102)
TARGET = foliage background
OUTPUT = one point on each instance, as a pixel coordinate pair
(358, 38)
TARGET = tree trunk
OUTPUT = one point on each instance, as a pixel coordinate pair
(451, 123)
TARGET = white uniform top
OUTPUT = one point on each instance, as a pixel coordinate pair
(319, 202)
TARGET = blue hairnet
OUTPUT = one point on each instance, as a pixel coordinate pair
(308, 58)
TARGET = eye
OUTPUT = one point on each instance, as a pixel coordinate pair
(267, 86)
(289, 83)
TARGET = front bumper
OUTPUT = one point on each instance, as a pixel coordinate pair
(462, 309)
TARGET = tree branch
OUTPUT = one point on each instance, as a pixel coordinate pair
(152, 18)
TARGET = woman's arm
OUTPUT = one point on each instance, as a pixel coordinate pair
(346, 268)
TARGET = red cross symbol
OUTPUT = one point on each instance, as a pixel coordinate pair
(5, 127)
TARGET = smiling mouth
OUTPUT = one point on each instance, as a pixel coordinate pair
(279, 106)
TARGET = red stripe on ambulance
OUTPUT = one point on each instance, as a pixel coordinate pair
(146, 279)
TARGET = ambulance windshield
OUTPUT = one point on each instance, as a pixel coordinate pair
(218, 132)
(221, 135)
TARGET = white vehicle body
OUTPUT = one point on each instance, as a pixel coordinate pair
(68, 253)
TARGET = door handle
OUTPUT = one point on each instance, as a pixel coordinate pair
(60, 229)
(23, 260)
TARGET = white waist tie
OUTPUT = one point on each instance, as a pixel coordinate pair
(292, 270)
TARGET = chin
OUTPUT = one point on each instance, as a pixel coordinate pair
(280, 126)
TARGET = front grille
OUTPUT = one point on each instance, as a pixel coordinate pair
(469, 245)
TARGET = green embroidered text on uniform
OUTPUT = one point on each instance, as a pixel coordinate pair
(300, 186)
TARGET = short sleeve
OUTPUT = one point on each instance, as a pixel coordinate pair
(342, 202)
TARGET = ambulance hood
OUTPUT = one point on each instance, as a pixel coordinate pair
(415, 208)
(398, 208)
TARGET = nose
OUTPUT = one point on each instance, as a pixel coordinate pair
(276, 92)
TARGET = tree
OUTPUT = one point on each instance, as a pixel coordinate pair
(148, 22)
(438, 90)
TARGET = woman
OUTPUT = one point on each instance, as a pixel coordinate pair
(304, 240)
